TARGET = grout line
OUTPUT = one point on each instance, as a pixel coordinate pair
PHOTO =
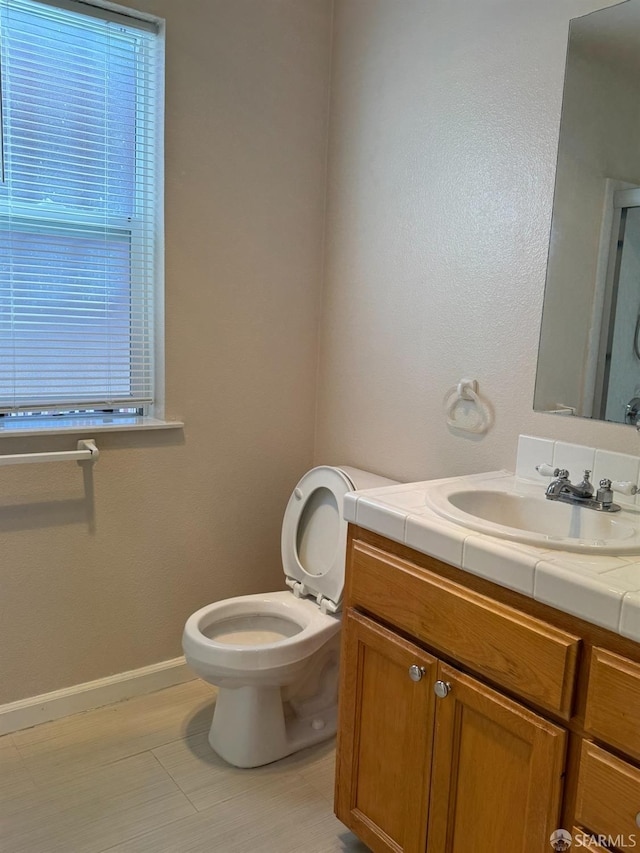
(169, 776)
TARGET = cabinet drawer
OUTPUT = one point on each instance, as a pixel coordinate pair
(521, 653)
(613, 701)
(608, 800)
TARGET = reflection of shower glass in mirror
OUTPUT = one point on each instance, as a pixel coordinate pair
(589, 356)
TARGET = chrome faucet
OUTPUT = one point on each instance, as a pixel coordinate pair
(562, 489)
(561, 485)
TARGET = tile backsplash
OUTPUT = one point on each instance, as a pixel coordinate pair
(576, 458)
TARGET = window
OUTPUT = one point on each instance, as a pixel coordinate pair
(79, 210)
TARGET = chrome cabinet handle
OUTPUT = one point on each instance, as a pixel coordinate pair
(416, 672)
(442, 689)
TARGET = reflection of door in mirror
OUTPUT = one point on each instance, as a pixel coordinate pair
(617, 379)
(586, 361)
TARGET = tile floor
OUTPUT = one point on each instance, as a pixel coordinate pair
(139, 777)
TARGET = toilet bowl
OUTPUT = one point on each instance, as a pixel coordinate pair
(275, 656)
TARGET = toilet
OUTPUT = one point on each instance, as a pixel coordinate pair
(275, 656)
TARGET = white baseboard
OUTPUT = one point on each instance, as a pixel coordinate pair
(92, 694)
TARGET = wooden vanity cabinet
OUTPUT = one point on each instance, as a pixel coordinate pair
(408, 760)
(451, 739)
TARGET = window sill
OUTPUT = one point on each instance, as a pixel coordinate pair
(59, 426)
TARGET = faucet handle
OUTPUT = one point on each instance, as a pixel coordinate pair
(625, 488)
(545, 470)
(604, 496)
(549, 471)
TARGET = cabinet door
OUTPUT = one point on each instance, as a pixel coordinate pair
(385, 734)
(496, 777)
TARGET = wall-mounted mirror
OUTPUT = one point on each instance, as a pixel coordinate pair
(589, 357)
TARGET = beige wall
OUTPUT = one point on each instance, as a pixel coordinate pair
(101, 582)
(444, 128)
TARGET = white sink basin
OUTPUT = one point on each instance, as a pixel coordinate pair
(519, 511)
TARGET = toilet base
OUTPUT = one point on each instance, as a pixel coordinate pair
(250, 726)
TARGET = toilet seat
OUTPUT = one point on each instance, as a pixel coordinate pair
(313, 628)
(314, 536)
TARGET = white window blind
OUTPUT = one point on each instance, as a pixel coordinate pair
(78, 207)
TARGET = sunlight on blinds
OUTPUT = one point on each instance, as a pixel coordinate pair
(77, 208)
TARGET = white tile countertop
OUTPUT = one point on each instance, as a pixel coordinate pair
(604, 590)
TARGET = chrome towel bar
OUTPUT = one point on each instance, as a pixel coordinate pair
(86, 452)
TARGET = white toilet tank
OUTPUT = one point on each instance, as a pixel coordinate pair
(365, 480)
(314, 532)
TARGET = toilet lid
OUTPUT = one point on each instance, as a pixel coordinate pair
(314, 533)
